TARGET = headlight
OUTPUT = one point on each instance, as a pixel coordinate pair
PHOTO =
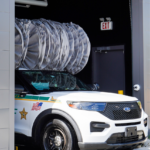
(140, 105)
(91, 106)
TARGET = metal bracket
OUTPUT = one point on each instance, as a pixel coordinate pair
(25, 6)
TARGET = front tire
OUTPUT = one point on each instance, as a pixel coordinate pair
(57, 135)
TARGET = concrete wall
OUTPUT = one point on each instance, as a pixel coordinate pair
(6, 74)
(141, 51)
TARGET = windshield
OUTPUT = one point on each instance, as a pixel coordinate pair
(45, 81)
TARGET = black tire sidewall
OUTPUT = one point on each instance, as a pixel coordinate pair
(62, 125)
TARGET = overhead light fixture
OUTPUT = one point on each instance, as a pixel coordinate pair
(42, 3)
(101, 19)
(108, 19)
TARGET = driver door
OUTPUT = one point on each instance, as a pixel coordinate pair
(22, 110)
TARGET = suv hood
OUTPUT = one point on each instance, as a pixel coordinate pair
(90, 96)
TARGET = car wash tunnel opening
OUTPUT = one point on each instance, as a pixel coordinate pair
(108, 48)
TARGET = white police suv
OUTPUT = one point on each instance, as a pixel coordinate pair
(60, 112)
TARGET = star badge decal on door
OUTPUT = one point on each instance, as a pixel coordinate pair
(23, 114)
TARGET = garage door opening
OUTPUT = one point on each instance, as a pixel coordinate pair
(87, 14)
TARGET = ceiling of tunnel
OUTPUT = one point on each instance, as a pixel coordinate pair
(42, 3)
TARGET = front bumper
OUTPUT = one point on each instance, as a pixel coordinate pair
(84, 119)
(105, 146)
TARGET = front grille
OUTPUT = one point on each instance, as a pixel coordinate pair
(115, 111)
(119, 138)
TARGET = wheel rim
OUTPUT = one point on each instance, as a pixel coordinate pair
(54, 139)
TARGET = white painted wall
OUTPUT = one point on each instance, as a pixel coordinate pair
(6, 74)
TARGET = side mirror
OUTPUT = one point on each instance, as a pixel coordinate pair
(19, 89)
(96, 86)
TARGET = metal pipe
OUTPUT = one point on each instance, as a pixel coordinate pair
(25, 6)
(32, 2)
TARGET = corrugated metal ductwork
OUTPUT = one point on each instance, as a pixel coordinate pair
(49, 45)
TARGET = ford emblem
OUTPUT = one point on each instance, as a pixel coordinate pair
(127, 109)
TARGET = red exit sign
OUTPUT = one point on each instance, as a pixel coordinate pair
(107, 25)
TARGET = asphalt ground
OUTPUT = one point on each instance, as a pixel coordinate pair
(24, 143)
(28, 147)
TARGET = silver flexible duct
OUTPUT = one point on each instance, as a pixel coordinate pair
(50, 45)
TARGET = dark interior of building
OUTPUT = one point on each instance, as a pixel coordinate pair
(87, 14)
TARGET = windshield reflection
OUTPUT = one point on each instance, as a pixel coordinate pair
(54, 81)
